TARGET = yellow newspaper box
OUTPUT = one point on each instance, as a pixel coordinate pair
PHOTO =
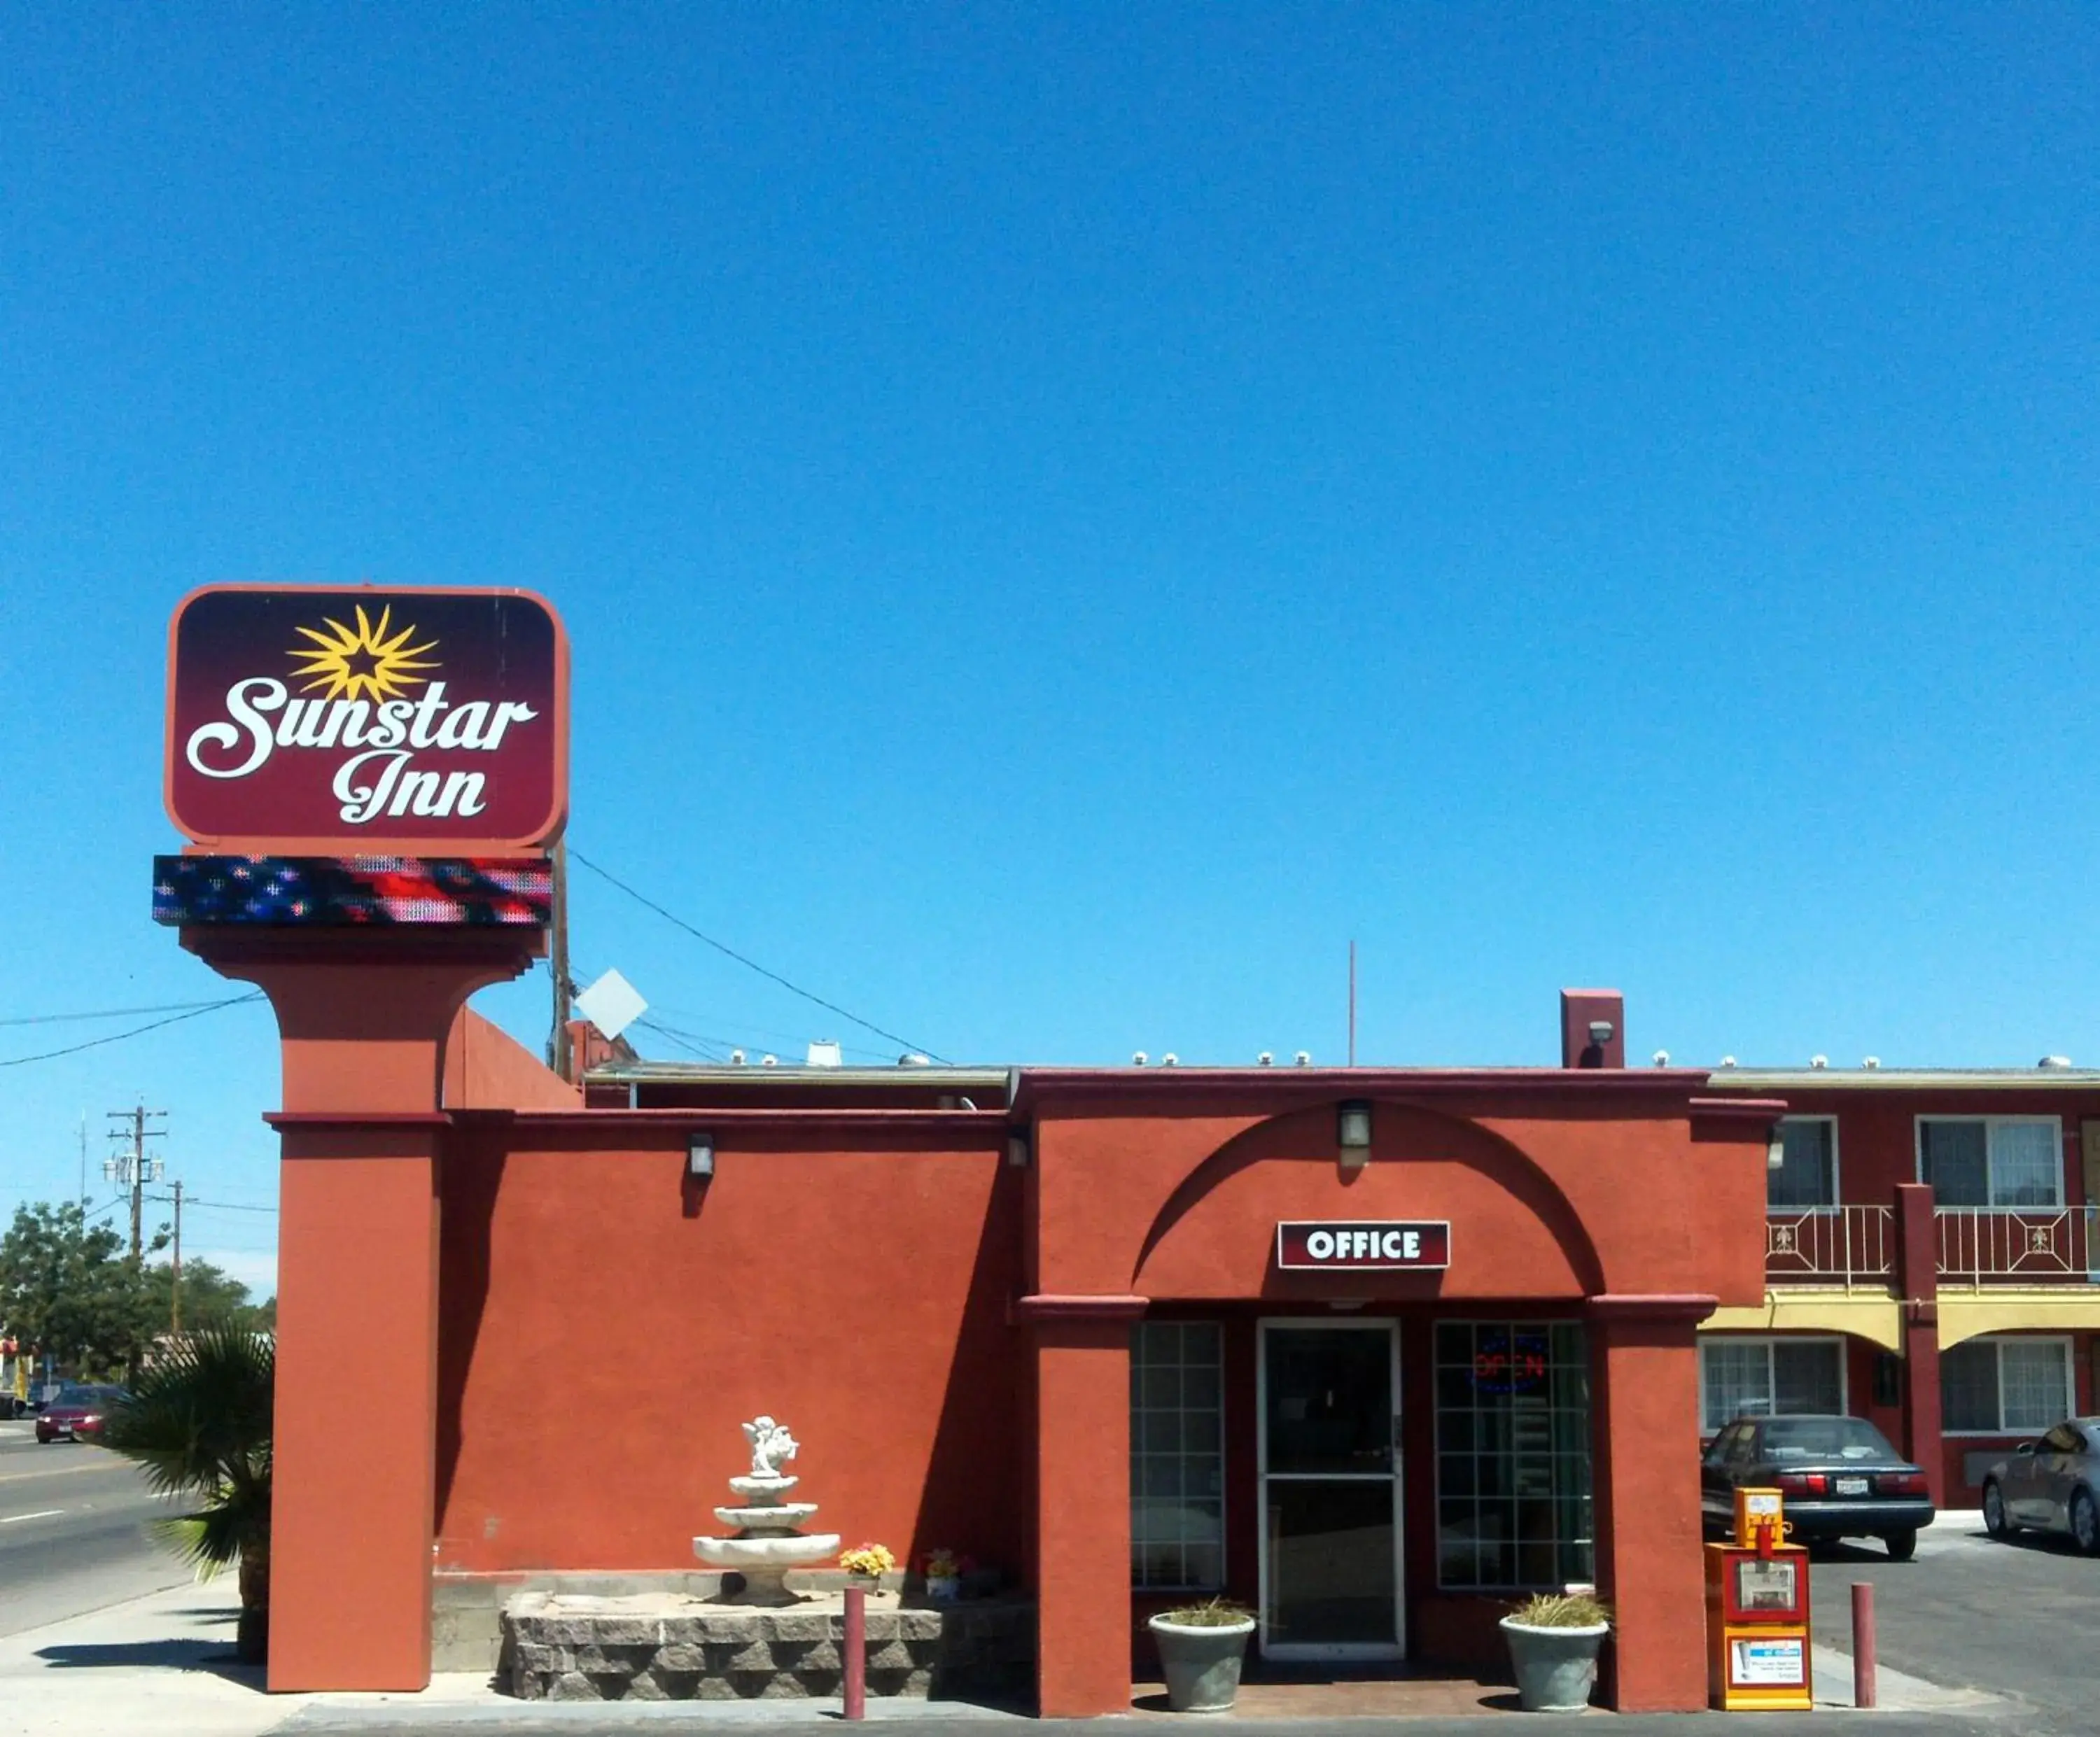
(1757, 1612)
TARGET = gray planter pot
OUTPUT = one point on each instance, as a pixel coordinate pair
(1555, 1668)
(1201, 1665)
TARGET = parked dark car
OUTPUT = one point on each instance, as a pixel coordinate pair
(1839, 1475)
(2052, 1485)
(77, 1413)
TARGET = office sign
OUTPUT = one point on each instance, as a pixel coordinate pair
(1363, 1245)
(367, 720)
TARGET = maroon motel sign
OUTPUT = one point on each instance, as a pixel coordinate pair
(357, 720)
(1363, 1245)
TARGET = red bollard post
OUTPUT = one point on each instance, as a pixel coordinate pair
(1863, 1643)
(856, 1658)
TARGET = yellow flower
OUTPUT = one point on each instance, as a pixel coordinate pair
(868, 1561)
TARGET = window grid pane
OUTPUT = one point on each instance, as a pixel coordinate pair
(1955, 1162)
(2026, 1167)
(1808, 1375)
(1514, 1507)
(2034, 1377)
(1969, 1386)
(1177, 1456)
(1807, 1176)
(1737, 1379)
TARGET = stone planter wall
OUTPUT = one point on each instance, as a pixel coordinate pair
(560, 1646)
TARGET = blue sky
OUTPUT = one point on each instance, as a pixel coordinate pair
(1068, 515)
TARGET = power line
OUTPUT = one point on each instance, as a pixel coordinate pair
(688, 1041)
(61, 1019)
(749, 964)
(118, 1036)
(223, 1206)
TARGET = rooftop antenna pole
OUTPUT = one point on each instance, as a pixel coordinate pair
(1353, 1003)
(557, 960)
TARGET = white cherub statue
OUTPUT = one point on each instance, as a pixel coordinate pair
(771, 1446)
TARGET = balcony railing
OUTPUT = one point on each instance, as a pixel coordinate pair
(2019, 1245)
(1830, 1245)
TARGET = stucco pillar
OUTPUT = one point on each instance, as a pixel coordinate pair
(1917, 1239)
(1083, 1638)
(1645, 1358)
(363, 1018)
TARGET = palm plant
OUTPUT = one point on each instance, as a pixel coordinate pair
(198, 1422)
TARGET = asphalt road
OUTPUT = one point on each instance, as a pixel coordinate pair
(72, 1532)
(2017, 1620)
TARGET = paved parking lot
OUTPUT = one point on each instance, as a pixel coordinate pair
(2020, 1619)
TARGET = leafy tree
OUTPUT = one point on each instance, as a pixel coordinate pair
(69, 1288)
(211, 1297)
(198, 1422)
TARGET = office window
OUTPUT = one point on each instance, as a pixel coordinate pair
(1991, 1161)
(1741, 1377)
(2006, 1387)
(1513, 1503)
(1177, 1454)
(1807, 1175)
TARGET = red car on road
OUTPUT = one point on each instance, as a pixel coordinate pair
(76, 1413)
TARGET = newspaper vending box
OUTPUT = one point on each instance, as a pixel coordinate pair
(1757, 1611)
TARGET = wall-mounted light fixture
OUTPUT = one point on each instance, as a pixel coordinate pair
(1601, 1032)
(1017, 1151)
(1353, 1131)
(1776, 1148)
(700, 1156)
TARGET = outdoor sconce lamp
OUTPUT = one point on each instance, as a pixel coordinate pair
(1352, 1132)
(700, 1156)
(1776, 1148)
(1601, 1032)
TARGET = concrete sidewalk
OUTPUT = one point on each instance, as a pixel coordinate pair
(164, 1664)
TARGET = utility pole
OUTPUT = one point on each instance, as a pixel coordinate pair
(557, 960)
(83, 1160)
(129, 1166)
(175, 1312)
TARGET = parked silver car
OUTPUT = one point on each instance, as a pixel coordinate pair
(2052, 1485)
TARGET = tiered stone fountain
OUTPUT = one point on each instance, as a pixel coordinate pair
(768, 1539)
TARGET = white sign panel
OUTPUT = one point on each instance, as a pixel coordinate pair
(1780, 1662)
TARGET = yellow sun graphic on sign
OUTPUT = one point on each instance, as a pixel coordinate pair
(355, 664)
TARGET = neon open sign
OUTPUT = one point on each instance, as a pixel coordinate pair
(1361, 1246)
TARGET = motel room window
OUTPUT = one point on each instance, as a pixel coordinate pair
(1513, 1506)
(1807, 1174)
(1978, 1161)
(1749, 1377)
(1177, 1455)
(2010, 1387)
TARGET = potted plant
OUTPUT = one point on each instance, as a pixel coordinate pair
(1553, 1641)
(1201, 1646)
(865, 1564)
(944, 1570)
(198, 1422)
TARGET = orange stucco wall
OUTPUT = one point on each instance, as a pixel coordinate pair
(604, 1327)
(1549, 1204)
